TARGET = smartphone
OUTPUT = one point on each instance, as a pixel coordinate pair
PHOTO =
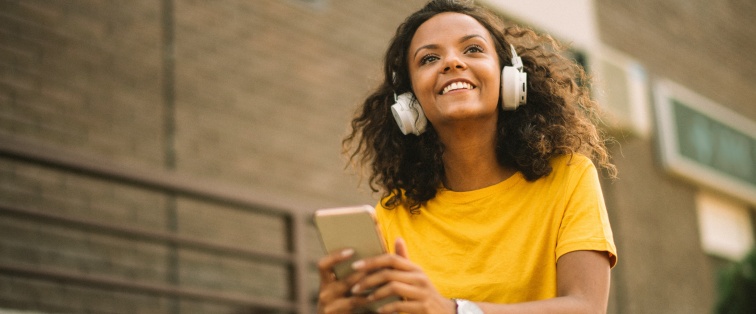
(351, 227)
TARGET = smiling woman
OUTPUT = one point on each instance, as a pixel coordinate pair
(556, 121)
(496, 204)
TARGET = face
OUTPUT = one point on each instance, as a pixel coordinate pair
(454, 70)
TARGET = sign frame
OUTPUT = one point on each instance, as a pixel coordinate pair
(666, 95)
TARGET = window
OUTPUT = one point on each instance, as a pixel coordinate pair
(725, 226)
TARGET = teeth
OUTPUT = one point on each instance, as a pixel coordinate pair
(455, 86)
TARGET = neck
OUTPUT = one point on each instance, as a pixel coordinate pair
(470, 160)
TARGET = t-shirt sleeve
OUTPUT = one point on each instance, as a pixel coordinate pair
(585, 223)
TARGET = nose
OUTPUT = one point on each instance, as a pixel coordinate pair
(454, 62)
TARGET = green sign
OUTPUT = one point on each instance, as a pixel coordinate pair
(705, 142)
(714, 144)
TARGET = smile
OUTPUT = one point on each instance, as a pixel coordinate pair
(455, 86)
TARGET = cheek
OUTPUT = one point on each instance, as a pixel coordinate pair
(422, 87)
(421, 81)
(494, 91)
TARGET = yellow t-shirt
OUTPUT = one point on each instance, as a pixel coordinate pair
(501, 243)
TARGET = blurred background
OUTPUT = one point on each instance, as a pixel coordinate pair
(165, 156)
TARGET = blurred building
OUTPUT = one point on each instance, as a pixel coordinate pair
(165, 156)
(676, 79)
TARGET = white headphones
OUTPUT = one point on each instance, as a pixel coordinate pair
(408, 114)
(514, 84)
(410, 117)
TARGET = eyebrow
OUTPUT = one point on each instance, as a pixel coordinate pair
(434, 46)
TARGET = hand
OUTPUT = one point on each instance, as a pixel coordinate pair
(335, 296)
(397, 275)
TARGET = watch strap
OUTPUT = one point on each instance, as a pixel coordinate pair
(467, 307)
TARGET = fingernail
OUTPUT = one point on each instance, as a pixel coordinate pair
(358, 264)
(355, 289)
(347, 252)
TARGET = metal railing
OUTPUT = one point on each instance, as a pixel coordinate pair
(296, 214)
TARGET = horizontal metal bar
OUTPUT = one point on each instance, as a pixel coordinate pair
(145, 235)
(258, 199)
(145, 288)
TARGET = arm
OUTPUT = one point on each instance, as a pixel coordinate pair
(582, 281)
(582, 287)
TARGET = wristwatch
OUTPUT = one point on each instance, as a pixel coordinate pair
(467, 307)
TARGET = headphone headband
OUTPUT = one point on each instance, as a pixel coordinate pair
(516, 60)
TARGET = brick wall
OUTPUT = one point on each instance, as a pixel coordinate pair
(85, 75)
(252, 94)
(707, 47)
(282, 80)
(704, 45)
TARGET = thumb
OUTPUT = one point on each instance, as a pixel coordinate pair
(401, 248)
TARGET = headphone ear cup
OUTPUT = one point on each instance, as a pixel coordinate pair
(409, 115)
(514, 88)
(522, 87)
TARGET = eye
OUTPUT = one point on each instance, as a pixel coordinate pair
(473, 49)
(428, 59)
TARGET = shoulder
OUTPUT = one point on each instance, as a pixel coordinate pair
(385, 212)
(572, 168)
(575, 161)
(573, 164)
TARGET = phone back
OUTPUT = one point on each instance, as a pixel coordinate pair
(349, 227)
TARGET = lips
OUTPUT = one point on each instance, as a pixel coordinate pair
(456, 86)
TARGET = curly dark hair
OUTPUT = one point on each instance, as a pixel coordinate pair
(557, 120)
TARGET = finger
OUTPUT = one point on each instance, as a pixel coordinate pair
(385, 261)
(326, 263)
(384, 276)
(401, 307)
(339, 288)
(345, 305)
(401, 248)
(354, 277)
(332, 291)
(404, 290)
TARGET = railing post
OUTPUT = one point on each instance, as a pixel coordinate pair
(301, 262)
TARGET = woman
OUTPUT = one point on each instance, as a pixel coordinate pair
(484, 208)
